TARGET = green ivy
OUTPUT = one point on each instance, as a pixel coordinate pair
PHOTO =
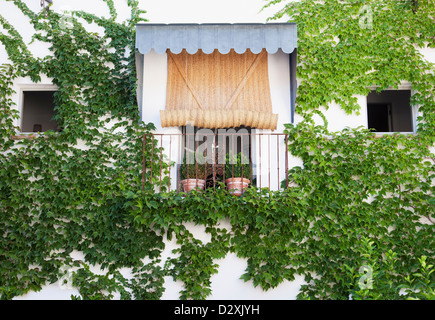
(346, 47)
(357, 186)
(357, 200)
(55, 197)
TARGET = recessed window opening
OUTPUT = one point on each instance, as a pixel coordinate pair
(38, 111)
(390, 111)
(215, 145)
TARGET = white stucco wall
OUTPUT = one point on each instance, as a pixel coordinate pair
(226, 284)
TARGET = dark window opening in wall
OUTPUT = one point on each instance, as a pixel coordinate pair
(230, 140)
(38, 112)
(390, 111)
(217, 143)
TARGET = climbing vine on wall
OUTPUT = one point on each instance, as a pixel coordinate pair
(358, 186)
(356, 201)
(63, 192)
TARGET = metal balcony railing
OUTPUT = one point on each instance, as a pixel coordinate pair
(264, 154)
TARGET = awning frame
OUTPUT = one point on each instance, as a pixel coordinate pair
(223, 37)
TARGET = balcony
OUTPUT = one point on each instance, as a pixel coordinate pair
(263, 155)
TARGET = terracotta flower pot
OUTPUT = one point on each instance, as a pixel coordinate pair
(189, 184)
(237, 186)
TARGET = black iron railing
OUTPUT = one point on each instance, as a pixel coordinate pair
(166, 155)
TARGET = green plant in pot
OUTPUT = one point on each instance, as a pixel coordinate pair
(237, 173)
(193, 173)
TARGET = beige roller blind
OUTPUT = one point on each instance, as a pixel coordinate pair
(218, 91)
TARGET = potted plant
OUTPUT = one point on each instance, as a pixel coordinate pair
(237, 173)
(193, 174)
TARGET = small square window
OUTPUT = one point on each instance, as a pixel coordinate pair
(390, 111)
(38, 111)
